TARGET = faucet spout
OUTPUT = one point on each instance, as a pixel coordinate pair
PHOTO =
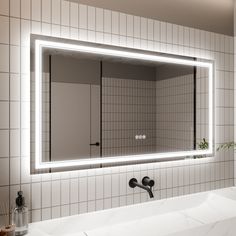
(149, 190)
(134, 183)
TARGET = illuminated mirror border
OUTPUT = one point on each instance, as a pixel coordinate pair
(99, 49)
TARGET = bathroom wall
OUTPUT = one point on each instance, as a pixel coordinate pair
(60, 194)
(175, 114)
(128, 109)
(202, 119)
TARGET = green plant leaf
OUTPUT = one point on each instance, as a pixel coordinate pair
(226, 146)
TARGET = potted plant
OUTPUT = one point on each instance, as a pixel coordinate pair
(202, 146)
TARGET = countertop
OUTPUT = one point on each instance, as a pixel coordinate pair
(206, 213)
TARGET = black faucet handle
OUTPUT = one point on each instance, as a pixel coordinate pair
(133, 182)
(146, 181)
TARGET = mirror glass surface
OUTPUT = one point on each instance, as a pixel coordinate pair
(99, 106)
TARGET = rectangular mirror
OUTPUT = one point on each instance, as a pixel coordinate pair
(94, 105)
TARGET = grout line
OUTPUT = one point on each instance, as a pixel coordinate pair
(51, 178)
(31, 25)
(60, 15)
(9, 138)
(41, 185)
(20, 98)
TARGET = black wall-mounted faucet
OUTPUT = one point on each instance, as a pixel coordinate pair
(147, 184)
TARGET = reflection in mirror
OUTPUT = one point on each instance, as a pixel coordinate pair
(103, 106)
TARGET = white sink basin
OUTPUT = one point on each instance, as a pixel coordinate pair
(157, 218)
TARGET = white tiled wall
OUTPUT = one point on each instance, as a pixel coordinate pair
(202, 117)
(60, 194)
(128, 110)
(175, 113)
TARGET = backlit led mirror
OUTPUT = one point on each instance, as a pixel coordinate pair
(94, 105)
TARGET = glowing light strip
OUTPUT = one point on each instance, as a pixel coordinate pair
(210, 107)
(38, 104)
(39, 164)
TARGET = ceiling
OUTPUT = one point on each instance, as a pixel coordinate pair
(211, 15)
